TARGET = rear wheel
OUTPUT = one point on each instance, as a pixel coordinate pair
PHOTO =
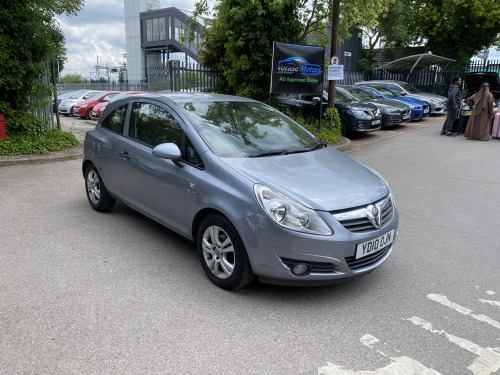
(222, 253)
(97, 194)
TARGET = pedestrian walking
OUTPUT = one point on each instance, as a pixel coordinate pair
(479, 126)
(452, 106)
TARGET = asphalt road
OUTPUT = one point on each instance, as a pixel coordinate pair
(89, 293)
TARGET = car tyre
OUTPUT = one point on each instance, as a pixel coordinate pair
(89, 113)
(97, 194)
(222, 253)
(343, 128)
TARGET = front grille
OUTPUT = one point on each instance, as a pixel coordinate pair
(314, 267)
(358, 220)
(366, 261)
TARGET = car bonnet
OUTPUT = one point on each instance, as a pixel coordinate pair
(324, 180)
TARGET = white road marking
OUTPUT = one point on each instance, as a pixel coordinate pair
(443, 300)
(490, 292)
(398, 366)
(494, 303)
(368, 340)
(487, 361)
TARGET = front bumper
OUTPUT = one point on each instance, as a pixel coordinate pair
(274, 250)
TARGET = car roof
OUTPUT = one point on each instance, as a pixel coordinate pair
(192, 97)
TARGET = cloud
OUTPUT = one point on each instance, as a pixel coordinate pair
(99, 30)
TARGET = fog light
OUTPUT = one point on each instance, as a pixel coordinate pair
(300, 269)
(360, 125)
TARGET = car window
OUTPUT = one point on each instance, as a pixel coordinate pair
(91, 95)
(361, 94)
(153, 125)
(115, 121)
(395, 88)
(409, 88)
(341, 97)
(387, 93)
(107, 97)
(244, 129)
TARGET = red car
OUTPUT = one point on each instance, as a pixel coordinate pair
(99, 108)
(84, 108)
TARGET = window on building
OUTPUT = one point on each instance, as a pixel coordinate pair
(155, 29)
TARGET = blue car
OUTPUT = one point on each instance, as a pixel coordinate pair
(419, 108)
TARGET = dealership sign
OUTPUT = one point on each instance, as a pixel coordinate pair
(297, 69)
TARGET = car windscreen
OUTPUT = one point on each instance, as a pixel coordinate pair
(342, 97)
(361, 94)
(95, 96)
(246, 129)
(386, 92)
(409, 88)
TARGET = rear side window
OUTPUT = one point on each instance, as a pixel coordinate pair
(116, 120)
(153, 125)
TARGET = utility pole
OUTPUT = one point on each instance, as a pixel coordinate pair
(334, 48)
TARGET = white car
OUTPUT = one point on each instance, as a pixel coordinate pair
(67, 105)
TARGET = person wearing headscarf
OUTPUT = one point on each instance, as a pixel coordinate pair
(479, 125)
(452, 106)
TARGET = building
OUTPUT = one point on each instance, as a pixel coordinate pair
(156, 35)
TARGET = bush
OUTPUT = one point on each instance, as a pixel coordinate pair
(27, 134)
(37, 142)
(330, 125)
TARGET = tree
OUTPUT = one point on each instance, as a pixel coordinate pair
(29, 37)
(457, 29)
(238, 45)
(73, 78)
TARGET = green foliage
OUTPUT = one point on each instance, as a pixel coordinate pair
(37, 142)
(29, 36)
(73, 78)
(330, 131)
(457, 29)
(239, 44)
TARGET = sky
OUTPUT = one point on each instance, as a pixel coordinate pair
(96, 36)
(99, 30)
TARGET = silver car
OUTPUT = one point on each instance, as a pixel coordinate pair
(437, 103)
(67, 105)
(258, 194)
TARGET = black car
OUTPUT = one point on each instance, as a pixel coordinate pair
(355, 116)
(393, 112)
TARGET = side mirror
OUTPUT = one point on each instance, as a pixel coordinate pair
(169, 151)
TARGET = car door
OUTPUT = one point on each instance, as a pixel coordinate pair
(154, 186)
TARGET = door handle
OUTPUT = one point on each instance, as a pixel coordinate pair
(125, 155)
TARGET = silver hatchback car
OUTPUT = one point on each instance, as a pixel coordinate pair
(257, 193)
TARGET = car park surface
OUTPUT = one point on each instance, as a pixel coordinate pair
(436, 102)
(219, 173)
(393, 113)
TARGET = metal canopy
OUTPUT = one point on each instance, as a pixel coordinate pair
(410, 63)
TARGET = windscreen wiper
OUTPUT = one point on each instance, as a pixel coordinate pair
(268, 153)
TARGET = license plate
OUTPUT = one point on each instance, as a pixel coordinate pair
(426, 110)
(375, 122)
(372, 246)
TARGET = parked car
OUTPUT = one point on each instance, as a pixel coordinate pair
(84, 108)
(355, 116)
(393, 113)
(257, 193)
(473, 81)
(99, 107)
(419, 108)
(67, 106)
(436, 102)
(60, 96)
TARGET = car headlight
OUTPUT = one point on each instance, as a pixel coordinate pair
(415, 107)
(83, 105)
(289, 213)
(358, 113)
